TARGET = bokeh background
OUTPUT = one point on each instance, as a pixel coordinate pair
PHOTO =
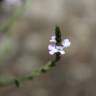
(25, 48)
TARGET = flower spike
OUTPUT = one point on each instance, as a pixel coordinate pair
(56, 44)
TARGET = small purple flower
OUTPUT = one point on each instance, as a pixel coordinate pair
(53, 48)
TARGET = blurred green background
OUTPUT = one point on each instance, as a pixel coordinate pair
(24, 48)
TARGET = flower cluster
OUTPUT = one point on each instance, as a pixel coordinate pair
(53, 48)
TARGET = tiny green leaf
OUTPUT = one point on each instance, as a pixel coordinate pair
(17, 83)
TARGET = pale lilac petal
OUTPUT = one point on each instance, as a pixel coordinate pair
(53, 51)
(51, 47)
(66, 43)
(62, 52)
(59, 47)
(53, 39)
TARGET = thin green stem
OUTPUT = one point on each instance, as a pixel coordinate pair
(33, 74)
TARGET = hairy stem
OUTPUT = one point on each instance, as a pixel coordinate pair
(31, 76)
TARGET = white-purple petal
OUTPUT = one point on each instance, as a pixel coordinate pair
(62, 52)
(66, 43)
(51, 47)
(53, 39)
(59, 47)
(53, 51)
